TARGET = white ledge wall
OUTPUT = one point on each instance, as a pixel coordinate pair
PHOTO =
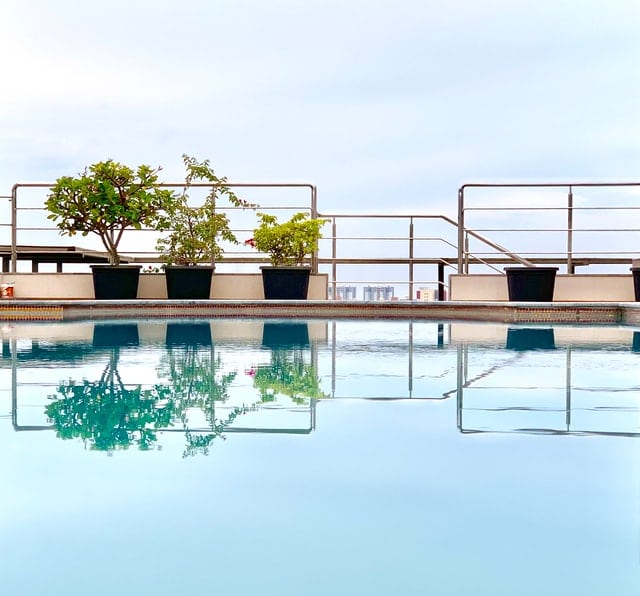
(152, 286)
(568, 288)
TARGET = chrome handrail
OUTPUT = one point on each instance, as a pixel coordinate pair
(383, 242)
(570, 256)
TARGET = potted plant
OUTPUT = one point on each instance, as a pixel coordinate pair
(107, 199)
(192, 247)
(288, 245)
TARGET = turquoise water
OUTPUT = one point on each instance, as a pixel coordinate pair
(346, 457)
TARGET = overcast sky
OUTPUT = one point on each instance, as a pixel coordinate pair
(383, 104)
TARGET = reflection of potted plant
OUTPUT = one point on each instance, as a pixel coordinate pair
(194, 243)
(109, 414)
(523, 339)
(107, 199)
(288, 373)
(288, 245)
(198, 382)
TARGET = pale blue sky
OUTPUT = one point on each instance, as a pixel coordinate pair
(383, 104)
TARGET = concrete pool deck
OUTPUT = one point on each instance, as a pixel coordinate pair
(621, 313)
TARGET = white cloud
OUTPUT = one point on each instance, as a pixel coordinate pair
(378, 102)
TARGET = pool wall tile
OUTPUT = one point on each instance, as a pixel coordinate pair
(499, 312)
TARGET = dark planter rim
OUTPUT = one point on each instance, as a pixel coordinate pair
(296, 267)
(188, 266)
(523, 268)
(106, 266)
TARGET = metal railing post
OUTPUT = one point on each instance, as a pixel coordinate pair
(314, 214)
(14, 228)
(411, 258)
(465, 245)
(570, 266)
(461, 240)
(334, 249)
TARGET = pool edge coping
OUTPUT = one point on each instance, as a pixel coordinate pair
(626, 313)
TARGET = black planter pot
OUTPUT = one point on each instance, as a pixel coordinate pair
(115, 283)
(285, 283)
(184, 283)
(635, 271)
(531, 284)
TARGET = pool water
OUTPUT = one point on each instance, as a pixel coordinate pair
(319, 457)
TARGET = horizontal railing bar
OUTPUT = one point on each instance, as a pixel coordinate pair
(556, 229)
(388, 216)
(604, 208)
(377, 282)
(193, 185)
(547, 184)
(323, 261)
(387, 261)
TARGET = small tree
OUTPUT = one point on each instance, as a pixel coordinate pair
(108, 198)
(196, 232)
(290, 242)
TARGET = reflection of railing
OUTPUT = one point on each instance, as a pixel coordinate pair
(538, 408)
(190, 395)
(527, 379)
(320, 359)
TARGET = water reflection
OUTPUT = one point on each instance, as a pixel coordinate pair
(114, 336)
(106, 414)
(291, 370)
(189, 334)
(583, 385)
(126, 384)
(282, 335)
(127, 392)
(530, 338)
(199, 383)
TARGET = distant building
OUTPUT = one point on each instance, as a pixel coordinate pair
(378, 293)
(429, 294)
(343, 292)
(426, 295)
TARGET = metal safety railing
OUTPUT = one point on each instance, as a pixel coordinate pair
(386, 255)
(566, 223)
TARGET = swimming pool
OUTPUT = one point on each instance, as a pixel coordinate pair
(319, 457)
